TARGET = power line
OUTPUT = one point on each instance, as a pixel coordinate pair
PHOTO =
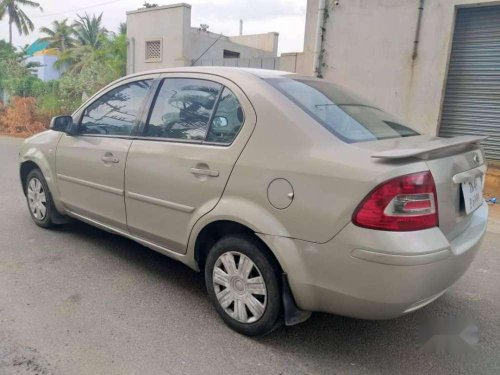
(76, 10)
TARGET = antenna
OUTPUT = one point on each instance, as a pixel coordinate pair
(241, 27)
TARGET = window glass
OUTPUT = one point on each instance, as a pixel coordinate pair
(227, 120)
(182, 109)
(115, 112)
(342, 113)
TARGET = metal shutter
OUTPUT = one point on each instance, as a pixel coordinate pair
(472, 98)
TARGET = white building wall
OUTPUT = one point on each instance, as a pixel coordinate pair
(182, 44)
(267, 42)
(369, 48)
(201, 40)
(46, 71)
(170, 24)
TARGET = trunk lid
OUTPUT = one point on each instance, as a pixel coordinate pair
(452, 162)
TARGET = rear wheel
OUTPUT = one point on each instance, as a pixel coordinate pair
(243, 285)
(39, 199)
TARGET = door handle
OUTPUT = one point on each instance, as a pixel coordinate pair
(205, 172)
(109, 158)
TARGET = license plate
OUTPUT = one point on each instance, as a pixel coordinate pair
(473, 194)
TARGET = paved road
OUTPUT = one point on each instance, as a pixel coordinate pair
(77, 300)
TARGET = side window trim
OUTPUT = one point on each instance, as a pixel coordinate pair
(150, 109)
(214, 111)
(146, 108)
(137, 121)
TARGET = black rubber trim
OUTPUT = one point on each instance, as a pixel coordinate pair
(293, 315)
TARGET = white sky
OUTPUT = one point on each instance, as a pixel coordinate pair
(287, 17)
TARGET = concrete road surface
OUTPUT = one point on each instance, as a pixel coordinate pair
(77, 300)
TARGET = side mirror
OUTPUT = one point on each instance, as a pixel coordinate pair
(62, 124)
(220, 122)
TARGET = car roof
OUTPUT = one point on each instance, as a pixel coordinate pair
(218, 70)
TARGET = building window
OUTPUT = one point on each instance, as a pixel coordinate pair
(231, 54)
(153, 50)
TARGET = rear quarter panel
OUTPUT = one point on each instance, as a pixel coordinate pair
(329, 177)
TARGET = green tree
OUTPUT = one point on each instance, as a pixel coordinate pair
(6, 51)
(115, 54)
(60, 36)
(90, 39)
(76, 87)
(7, 54)
(12, 8)
(16, 78)
(89, 30)
(123, 28)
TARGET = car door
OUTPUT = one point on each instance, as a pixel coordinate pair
(176, 172)
(90, 165)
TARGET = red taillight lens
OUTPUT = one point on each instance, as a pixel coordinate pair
(404, 203)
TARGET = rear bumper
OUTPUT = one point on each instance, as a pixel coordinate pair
(371, 274)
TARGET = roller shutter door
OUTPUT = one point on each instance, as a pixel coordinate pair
(472, 97)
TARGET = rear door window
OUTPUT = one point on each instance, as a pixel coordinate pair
(348, 117)
(227, 120)
(182, 109)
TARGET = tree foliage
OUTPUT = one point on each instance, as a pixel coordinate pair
(89, 30)
(149, 5)
(90, 36)
(60, 36)
(90, 58)
(15, 75)
(16, 15)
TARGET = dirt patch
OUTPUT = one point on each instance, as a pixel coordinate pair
(492, 183)
(21, 118)
(25, 361)
(13, 135)
(30, 364)
(494, 218)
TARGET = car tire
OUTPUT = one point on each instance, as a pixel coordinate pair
(39, 199)
(246, 291)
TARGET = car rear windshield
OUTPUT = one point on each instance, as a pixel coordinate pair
(345, 115)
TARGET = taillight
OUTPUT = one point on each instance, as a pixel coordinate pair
(404, 203)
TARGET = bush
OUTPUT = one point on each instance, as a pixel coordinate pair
(74, 88)
(22, 119)
(88, 68)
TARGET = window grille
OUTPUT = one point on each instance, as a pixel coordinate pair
(153, 50)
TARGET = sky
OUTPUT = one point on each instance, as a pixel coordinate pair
(287, 17)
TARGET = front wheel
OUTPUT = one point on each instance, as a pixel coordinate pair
(243, 285)
(39, 199)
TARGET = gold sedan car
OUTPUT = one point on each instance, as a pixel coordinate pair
(290, 193)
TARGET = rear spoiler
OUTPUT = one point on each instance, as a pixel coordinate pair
(437, 144)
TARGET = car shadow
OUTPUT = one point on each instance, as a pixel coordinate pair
(151, 262)
(324, 339)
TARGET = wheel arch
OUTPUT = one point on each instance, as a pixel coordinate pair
(233, 215)
(34, 158)
(217, 229)
(25, 168)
